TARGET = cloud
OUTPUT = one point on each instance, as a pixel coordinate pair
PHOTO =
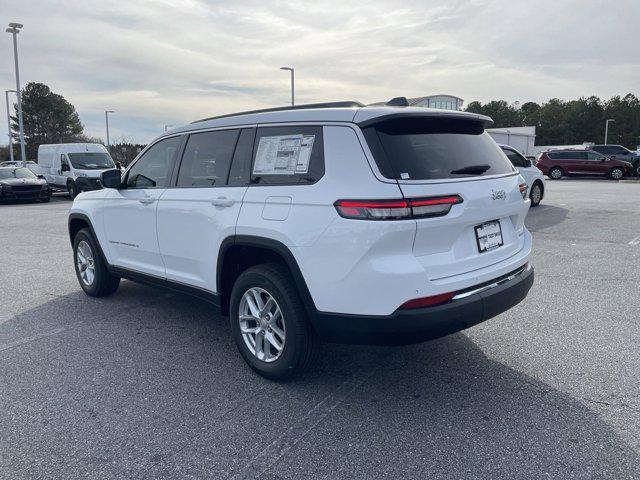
(172, 61)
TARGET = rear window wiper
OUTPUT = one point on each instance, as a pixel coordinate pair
(471, 170)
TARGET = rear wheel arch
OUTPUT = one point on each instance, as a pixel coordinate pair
(240, 252)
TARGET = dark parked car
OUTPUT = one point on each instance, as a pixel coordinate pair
(558, 163)
(17, 183)
(619, 153)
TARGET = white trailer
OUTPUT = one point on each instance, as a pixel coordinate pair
(521, 138)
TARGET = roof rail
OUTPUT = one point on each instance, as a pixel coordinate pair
(349, 104)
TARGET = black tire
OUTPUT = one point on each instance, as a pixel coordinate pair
(535, 200)
(636, 169)
(103, 283)
(46, 199)
(616, 173)
(557, 171)
(73, 190)
(301, 342)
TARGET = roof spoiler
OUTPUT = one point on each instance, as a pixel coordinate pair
(473, 117)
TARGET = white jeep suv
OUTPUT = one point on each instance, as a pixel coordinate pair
(336, 222)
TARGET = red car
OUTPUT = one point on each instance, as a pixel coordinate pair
(558, 163)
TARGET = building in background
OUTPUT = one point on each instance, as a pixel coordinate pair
(443, 102)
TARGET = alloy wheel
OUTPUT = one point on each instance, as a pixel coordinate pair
(86, 265)
(262, 324)
(536, 194)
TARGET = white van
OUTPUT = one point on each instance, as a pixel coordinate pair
(74, 167)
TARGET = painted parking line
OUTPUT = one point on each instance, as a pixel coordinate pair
(635, 241)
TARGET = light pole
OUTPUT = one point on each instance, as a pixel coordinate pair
(292, 83)
(606, 129)
(14, 29)
(6, 96)
(106, 121)
(167, 127)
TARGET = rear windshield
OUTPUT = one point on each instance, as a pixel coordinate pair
(410, 148)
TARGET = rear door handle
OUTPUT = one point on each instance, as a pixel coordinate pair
(222, 202)
(147, 200)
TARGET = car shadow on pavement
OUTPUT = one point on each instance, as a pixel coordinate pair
(149, 383)
(545, 216)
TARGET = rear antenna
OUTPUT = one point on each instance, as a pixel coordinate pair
(398, 102)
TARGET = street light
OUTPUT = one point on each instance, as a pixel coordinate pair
(6, 96)
(292, 83)
(606, 129)
(106, 120)
(167, 127)
(14, 29)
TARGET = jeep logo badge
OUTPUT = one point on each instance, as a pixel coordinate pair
(498, 194)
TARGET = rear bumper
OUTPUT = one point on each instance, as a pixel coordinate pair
(413, 326)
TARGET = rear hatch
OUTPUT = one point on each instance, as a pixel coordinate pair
(432, 156)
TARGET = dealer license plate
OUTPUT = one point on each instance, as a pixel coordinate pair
(489, 236)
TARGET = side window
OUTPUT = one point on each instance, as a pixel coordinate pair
(292, 155)
(593, 156)
(152, 169)
(64, 163)
(207, 158)
(516, 159)
(580, 156)
(617, 150)
(240, 173)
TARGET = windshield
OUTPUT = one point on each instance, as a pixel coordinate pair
(410, 148)
(6, 173)
(91, 161)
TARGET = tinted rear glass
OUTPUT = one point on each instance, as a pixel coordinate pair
(410, 148)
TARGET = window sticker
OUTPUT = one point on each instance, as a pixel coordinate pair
(306, 146)
(283, 155)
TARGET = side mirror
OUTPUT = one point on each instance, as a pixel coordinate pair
(65, 167)
(111, 179)
(41, 177)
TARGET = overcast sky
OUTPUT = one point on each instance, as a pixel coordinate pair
(174, 61)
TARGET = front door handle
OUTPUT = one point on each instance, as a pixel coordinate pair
(147, 200)
(222, 202)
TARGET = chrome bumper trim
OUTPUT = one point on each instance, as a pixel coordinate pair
(526, 267)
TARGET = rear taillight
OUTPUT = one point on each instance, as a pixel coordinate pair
(397, 209)
(523, 190)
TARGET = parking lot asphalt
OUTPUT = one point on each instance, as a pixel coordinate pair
(148, 383)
